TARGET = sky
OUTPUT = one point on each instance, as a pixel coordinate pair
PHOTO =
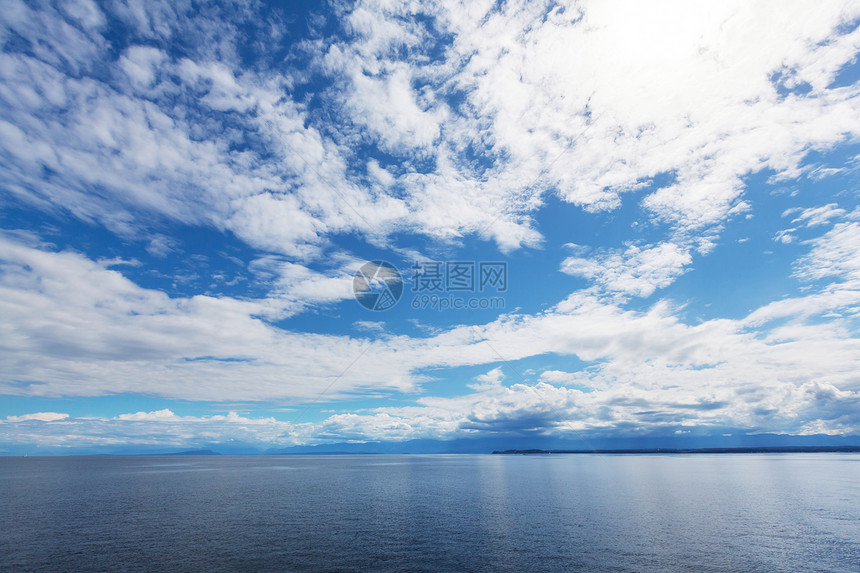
(285, 224)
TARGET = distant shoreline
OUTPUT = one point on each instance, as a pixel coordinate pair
(771, 450)
(853, 449)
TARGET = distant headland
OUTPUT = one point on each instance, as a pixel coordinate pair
(761, 450)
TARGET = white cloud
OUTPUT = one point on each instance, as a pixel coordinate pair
(141, 64)
(538, 409)
(477, 130)
(785, 236)
(388, 108)
(835, 254)
(635, 271)
(815, 216)
(96, 332)
(490, 380)
(164, 414)
(86, 12)
(369, 325)
(296, 286)
(559, 377)
(593, 102)
(160, 245)
(38, 416)
(89, 314)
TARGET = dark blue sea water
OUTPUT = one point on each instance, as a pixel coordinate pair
(751, 512)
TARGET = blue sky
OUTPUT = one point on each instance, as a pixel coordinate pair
(187, 193)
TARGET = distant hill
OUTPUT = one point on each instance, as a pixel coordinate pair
(727, 438)
(191, 453)
(543, 443)
(783, 450)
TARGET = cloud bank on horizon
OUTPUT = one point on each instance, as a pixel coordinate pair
(187, 192)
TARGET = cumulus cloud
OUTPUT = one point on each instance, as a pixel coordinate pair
(521, 409)
(164, 414)
(489, 380)
(559, 377)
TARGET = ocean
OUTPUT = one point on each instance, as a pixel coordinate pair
(721, 512)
